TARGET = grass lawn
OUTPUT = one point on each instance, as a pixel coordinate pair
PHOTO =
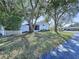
(30, 46)
(67, 35)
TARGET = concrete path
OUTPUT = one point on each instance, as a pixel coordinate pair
(68, 50)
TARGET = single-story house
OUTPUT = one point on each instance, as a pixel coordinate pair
(72, 27)
(25, 28)
(41, 25)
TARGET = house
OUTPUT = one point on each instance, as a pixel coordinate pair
(40, 25)
(72, 27)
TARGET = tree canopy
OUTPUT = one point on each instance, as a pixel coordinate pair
(32, 9)
(57, 9)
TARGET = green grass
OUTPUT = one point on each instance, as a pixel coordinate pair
(67, 35)
(32, 45)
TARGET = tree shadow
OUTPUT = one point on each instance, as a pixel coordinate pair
(32, 45)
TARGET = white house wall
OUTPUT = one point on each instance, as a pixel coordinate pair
(43, 26)
(24, 28)
(2, 31)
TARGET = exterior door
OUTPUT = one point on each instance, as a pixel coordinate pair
(37, 27)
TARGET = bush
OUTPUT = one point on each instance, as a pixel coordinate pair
(12, 23)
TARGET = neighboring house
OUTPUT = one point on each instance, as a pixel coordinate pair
(72, 27)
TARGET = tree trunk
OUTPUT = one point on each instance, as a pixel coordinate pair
(30, 26)
(55, 22)
(55, 26)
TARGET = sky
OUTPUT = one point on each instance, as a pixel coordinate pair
(76, 19)
(41, 18)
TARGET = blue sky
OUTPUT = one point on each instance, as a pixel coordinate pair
(76, 19)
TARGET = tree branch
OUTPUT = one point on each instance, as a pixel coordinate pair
(31, 4)
(60, 16)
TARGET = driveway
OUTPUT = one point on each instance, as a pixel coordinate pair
(68, 50)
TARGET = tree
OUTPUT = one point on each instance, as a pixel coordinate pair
(34, 13)
(58, 8)
(10, 17)
(30, 11)
(66, 19)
